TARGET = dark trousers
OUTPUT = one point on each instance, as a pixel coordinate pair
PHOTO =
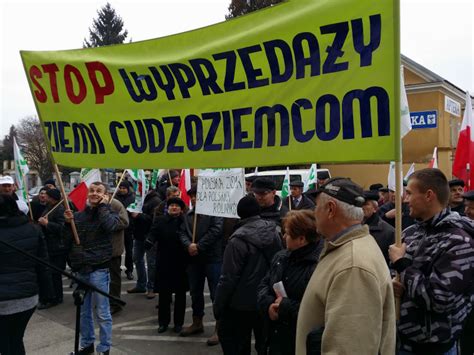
(115, 279)
(12, 330)
(235, 332)
(128, 240)
(60, 262)
(467, 337)
(164, 308)
(197, 274)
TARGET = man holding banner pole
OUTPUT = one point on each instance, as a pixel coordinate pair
(436, 268)
(205, 249)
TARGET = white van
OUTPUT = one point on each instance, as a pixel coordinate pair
(279, 175)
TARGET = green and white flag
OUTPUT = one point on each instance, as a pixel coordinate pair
(141, 189)
(312, 179)
(155, 175)
(21, 169)
(285, 189)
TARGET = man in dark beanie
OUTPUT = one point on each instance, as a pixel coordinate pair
(247, 258)
(271, 207)
(52, 224)
(166, 182)
(456, 199)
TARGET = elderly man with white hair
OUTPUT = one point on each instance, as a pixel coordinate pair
(348, 306)
(7, 187)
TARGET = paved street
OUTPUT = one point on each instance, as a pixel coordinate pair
(51, 331)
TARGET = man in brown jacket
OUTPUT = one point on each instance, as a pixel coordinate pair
(348, 306)
(118, 247)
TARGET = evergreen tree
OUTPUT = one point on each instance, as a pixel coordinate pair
(242, 7)
(106, 29)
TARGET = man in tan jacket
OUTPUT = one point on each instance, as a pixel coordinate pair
(348, 306)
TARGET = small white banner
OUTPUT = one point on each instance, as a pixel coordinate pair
(219, 191)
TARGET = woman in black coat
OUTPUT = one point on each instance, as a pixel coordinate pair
(20, 277)
(293, 267)
(171, 263)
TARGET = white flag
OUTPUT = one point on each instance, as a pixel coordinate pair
(391, 178)
(405, 120)
(312, 178)
(410, 171)
(434, 159)
(21, 169)
(88, 176)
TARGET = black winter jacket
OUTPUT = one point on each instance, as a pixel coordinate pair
(21, 277)
(383, 233)
(294, 269)
(209, 235)
(53, 232)
(142, 223)
(247, 258)
(171, 258)
(275, 212)
(95, 226)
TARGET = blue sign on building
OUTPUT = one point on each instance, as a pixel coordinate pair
(424, 119)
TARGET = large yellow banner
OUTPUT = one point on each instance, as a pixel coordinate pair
(299, 82)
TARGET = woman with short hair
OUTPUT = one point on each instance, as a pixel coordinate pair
(292, 267)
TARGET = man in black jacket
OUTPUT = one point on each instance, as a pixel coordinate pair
(271, 207)
(247, 258)
(383, 233)
(205, 251)
(296, 200)
(456, 199)
(91, 260)
(52, 225)
(127, 196)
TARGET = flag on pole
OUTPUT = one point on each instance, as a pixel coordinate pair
(410, 171)
(184, 185)
(434, 159)
(285, 189)
(141, 189)
(391, 178)
(405, 119)
(21, 169)
(78, 196)
(464, 158)
(155, 175)
(312, 179)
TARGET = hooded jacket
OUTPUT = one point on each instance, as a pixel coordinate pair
(247, 258)
(275, 212)
(438, 274)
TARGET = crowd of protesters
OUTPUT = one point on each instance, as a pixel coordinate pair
(317, 272)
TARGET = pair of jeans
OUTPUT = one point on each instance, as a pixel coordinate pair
(235, 332)
(197, 274)
(94, 301)
(12, 330)
(145, 276)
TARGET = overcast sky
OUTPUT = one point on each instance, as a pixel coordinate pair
(438, 34)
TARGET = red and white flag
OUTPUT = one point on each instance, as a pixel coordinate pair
(78, 196)
(464, 159)
(184, 185)
(434, 159)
